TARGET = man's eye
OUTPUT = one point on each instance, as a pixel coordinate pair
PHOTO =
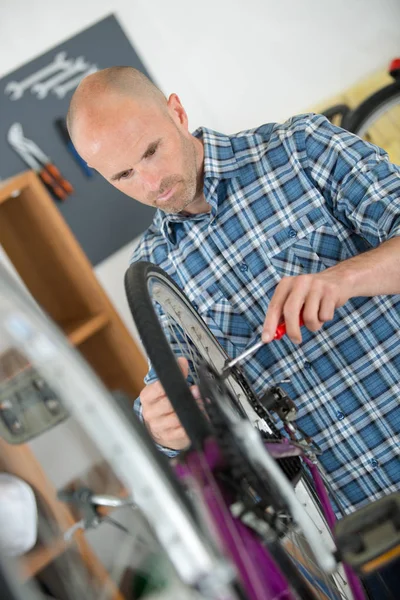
(125, 174)
(151, 151)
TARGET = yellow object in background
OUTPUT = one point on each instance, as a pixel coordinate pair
(386, 131)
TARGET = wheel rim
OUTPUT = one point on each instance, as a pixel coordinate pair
(181, 322)
(382, 126)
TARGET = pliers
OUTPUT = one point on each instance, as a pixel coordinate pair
(37, 160)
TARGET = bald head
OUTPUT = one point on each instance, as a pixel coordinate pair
(136, 138)
(111, 85)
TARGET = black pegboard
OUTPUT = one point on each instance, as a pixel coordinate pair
(101, 218)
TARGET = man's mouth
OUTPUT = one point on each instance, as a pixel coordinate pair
(166, 195)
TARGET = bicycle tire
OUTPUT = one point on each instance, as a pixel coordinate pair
(160, 353)
(357, 121)
(338, 110)
(168, 372)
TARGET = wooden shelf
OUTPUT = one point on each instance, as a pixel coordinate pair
(11, 188)
(80, 330)
(38, 558)
(59, 276)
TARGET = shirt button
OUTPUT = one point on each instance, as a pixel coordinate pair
(243, 267)
(308, 366)
(340, 416)
(374, 463)
(292, 233)
(195, 306)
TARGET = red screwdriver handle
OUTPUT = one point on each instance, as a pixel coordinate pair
(281, 329)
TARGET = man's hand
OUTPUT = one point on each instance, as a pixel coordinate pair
(316, 295)
(159, 416)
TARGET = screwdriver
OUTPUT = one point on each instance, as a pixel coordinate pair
(280, 332)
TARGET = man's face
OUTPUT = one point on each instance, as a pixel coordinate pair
(144, 151)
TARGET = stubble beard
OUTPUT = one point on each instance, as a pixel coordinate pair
(181, 198)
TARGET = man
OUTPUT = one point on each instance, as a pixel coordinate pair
(269, 223)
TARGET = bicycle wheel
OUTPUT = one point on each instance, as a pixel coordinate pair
(176, 329)
(377, 119)
(180, 331)
(337, 113)
(123, 443)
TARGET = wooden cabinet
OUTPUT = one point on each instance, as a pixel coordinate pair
(59, 276)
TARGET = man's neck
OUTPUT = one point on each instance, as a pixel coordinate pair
(199, 205)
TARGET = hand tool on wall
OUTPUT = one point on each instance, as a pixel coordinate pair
(62, 128)
(16, 89)
(37, 160)
(42, 88)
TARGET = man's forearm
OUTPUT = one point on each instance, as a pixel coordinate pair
(373, 273)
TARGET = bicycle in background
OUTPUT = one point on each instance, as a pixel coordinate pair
(377, 113)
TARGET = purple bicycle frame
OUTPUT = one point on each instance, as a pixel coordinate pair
(257, 570)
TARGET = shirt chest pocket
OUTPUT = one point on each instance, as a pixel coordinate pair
(231, 329)
(308, 244)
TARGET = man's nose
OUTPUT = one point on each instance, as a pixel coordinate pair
(151, 179)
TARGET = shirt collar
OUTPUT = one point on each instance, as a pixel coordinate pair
(219, 157)
(219, 163)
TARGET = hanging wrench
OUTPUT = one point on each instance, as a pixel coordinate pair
(61, 90)
(16, 89)
(42, 89)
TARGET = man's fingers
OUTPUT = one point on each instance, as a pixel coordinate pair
(169, 432)
(311, 312)
(157, 409)
(152, 393)
(275, 310)
(165, 422)
(327, 308)
(293, 306)
(176, 438)
(159, 416)
(291, 314)
(311, 295)
(184, 365)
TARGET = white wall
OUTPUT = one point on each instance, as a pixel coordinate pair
(111, 273)
(235, 63)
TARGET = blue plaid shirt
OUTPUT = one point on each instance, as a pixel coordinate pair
(288, 199)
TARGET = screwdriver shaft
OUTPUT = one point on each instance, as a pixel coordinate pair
(244, 355)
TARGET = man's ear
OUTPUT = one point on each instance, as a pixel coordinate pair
(177, 111)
